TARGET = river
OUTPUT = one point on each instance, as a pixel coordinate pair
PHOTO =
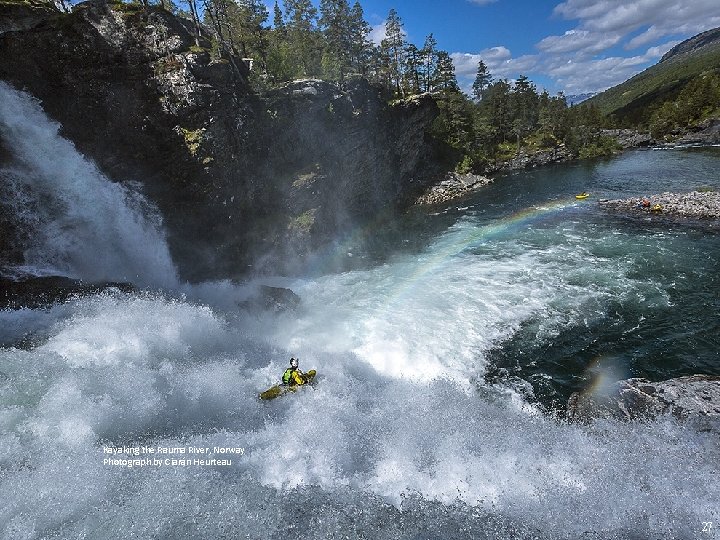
(446, 345)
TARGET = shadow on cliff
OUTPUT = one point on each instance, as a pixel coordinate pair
(246, 183)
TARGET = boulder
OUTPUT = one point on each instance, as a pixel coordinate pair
(694, 398)
(276, 299)
(42, 292)
(453, 186)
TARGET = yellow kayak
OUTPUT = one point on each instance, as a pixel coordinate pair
(582, 195)
(281, 389)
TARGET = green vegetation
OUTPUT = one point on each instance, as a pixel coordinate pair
(634, 102)
(126, 7)
(306, 178)
(331, 42)
(193, 139)
(303, 223)
(697, 101)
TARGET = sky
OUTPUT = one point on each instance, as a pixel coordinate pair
(574, 46)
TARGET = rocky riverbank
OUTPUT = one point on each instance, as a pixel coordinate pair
(696, 205)
(453, 186)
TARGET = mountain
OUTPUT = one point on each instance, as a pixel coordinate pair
(579, 98)
(634, 100)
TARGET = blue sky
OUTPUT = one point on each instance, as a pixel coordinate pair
(575, 46)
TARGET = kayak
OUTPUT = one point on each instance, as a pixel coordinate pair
(281, 389)
(656, 208)
(582, 196)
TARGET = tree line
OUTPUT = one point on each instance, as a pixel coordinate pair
(332, 42)
(697, 101)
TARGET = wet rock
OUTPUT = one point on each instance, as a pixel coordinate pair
(694, 398)
(276, 299)
(240, 177)
(40, 292)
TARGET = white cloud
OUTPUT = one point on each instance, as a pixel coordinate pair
(482, 2)
(655, 18)
(499, 62)
(588, 57)
(575, 74)
(377, 33)
(579, 41)
(593, 75)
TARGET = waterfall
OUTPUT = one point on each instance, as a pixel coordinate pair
(80, 223)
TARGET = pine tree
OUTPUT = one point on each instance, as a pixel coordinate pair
(335, 26)
(429, 62)
(246, 19)
(300, 16)
(411, 70)
(393, 46)
(482, 81)
(444, 80)
(497, 101)
(361, 47)
(278, 22)
(525, 108)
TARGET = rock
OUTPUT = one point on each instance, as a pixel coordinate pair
(694, 398)
(629, 138)
(696, 205)
(526, 160)
(41, 292)
(24, 15)
(239, 177)
(705, 133)
(276, 299)
(453, 186)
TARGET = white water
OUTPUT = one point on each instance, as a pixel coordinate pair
(393, 442)
(83, 225)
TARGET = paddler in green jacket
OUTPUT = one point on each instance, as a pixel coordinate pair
(293, 376)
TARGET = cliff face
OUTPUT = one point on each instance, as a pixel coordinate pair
(237, 176)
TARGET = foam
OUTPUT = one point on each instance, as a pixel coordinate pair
(82, 224)
(125, 369)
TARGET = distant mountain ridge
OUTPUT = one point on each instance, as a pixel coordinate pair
(704, 39)
(633, 100)
(579, 98)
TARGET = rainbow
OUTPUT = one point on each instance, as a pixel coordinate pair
(444, 254)
(473, 236)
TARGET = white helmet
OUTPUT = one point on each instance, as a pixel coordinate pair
(294, 362)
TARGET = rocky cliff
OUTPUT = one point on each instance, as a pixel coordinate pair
(708, 38)
(238, 176)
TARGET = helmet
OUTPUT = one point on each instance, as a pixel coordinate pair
(294, 362)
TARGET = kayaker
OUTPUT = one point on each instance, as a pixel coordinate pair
(292, 375)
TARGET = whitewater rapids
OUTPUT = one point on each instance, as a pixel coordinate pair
(400, 438)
